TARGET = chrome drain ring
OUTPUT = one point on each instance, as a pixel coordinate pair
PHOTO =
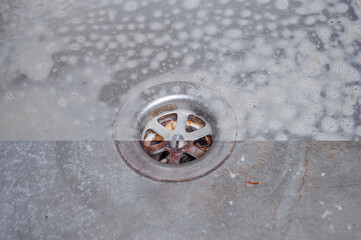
(146, 131)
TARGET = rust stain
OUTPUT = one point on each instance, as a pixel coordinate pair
(356, 4)
(333, 148)
(262, 157)
(253, 183)
(308, 147)
(248, 178)
(303, 181)
(289, 223)
(352, 96)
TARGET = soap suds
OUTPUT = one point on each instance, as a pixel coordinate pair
(290, 72)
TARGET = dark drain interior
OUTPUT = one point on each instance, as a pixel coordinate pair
(177, 137)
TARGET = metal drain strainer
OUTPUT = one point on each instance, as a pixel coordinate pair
(175, 131)
(175, 137)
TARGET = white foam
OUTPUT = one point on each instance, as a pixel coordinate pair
(131, 6)
(281, 4)
(33, 59)
(190, 4)
(329, 125)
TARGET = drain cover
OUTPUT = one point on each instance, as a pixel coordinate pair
(175, 131)
(175, 137)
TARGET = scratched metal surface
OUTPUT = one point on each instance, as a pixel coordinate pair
(83, 190)
(289, 69)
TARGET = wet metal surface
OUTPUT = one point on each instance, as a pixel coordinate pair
(280, 190)
(285, 70)
(290, 69)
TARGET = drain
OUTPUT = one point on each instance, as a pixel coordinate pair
(177, 137)
(175, 131)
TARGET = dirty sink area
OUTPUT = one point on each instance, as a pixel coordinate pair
(93, 95)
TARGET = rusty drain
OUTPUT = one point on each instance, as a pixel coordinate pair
(177, 137)
(175, 131)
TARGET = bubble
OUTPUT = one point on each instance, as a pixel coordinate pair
(358, 131)
(145, 52)
(188, 60)
(157, 13)
(288, 113)
(233, 33)
(176, 89)
(63, 29)
(74, 46)
(99, 45)
(347, 125)
(300, 128)
(190, 4)
(329, 125)
(281, 4)
(263, 1)
(226, 22)
(132, 64)
(161, 56)
(140, 18)
(154, 65)
(211, 29)
(72, 60)
(246, 13)
(196, 33)
(310, 20)
(342, 7)
(275, 125)
(183, 35)
(229, 12)
(156, 26)
(62, 102)
(112, 45)
(131, 6)
(112, 15)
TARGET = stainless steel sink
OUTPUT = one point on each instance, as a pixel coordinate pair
(274, 84)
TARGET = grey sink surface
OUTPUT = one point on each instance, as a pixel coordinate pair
(265, 190)
(289, 70)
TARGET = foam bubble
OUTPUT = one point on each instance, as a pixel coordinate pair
(263, 1)
(34, 60)
(329, 125)
(281, 4)
(131, 6)
(310, 20)
(342, 7)
(190, 4)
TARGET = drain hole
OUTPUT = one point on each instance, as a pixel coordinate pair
(185, 157)
(177, 137)
(203, 143)
(194, 123)
(168, 121)
(163, 157)
(152, 138)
